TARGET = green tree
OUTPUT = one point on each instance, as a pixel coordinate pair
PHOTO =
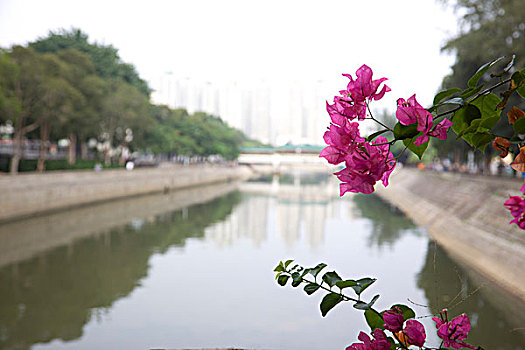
(28, 84)
(59, 101)
(488, 29)
(85, 120)
(123, 108)
(105, 57)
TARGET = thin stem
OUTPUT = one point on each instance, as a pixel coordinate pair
(347, 298)
(400, 154)
(374, 119)
(383, 143)
(491, 88)
(484, 92)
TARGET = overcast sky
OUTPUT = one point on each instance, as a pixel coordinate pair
(243, 40)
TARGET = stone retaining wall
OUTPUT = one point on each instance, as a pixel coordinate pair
(466, 216)
(24, 195)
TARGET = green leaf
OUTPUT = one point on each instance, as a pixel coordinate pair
(470, 92)
(280, 267)
(444, 94)
(407, 312)
(361, 305)
(479, 140)
(288, 262)
(510, 64)
(311, 288)
(376, 134)
(487, 105)
(315, 271)
(374, 319)
(346, 283)
(363, 284)
(464, 116)
(521, 90)
(473, 82)
(297, 279)
(471, 129)
(489, 122)
(417, 150)
(331, 278)
(517, 78)
(402, 132)
(329, 301)
(283, 279)
(519, 126)
(453, 101)
(373, 301)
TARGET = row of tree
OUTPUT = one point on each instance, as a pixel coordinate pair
(64, 87)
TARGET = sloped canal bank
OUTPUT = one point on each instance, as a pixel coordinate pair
(465, 215)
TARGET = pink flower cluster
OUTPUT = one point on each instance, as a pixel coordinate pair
(413, 332)
(410, 112)
(454, 332)
(516, 205)
(380, 341)
(366, 163)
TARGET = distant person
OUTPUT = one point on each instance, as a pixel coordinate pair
(98, 167)
(129, 165)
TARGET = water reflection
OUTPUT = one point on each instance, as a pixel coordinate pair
(53, 296)
(448, 285)
(168, 274)
(387, 222)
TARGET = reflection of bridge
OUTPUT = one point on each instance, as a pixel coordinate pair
(305, 156)
(296, 191)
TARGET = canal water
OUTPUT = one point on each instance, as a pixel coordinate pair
(193, 269)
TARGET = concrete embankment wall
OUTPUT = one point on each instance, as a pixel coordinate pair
(466, 216)
(24, 239)
(24, 195)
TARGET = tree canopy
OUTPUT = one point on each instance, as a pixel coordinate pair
(488, 29)
(64, 87)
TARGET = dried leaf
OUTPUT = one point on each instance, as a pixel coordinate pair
(514, 114)
(519, 162)
(501, 144)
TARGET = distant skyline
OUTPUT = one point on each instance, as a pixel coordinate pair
(277, 44)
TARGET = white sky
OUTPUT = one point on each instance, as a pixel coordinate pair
(279, 41)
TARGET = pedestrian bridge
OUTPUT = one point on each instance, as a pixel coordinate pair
(295, 156)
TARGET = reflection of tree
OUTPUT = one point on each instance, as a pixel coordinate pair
(51, 297)
(449, 285)
(388, 222)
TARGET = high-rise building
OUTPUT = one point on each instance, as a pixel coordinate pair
(272, 113)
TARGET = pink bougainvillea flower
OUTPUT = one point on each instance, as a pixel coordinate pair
(364, 87)
(516, 205)
(341, 141)
(344, 108)
(393, 320)
(380, 341)
(414, 333)
(410, 112)
(454, 332)
(365, 166)
(440, 131)
(353, 101)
